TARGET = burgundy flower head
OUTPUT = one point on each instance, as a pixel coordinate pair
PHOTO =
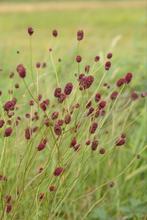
(93, 127)
(2, 122)
(57, 92)
(97, 58)
(58, 171)
(94, 145)
(107, 65)
(68, 88)
(80, 35)
(28, 133)
(120, 141)
(128, 78)
(30, 31)
(55, 33)
(97, 97)
(57, 129)
(102, 104)
(21, 70)
(87, 68)
(78, 59)
(120, 82)
(8, 132)
(109, 55)
(73, 142)
(8, 208)
(134, 96)
(67, 119)
(54, 115)
(61, 98)
(114, 95)
(42, 144)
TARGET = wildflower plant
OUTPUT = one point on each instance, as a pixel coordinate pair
(63, 141)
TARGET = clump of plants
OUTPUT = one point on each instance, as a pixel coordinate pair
(65, 145)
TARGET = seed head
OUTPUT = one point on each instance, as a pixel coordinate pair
(97, 97)
(107, 65)
(80, 35)
(28, 133)
(57, 92)
(94, 145)
(97, 58)
(2, 122)
(120, 82)
(58, 171)
(78, 59)
(30, 31)
(67, 119)
(8, 132)
(102, 104)
(21, 70)
(42, 144)
(68, 88)
(57, 129)
(8, 208)
(54, 115)
(55, 33)
(109, 55)
(128, 78)
(114, 95)
(134, 96)
(93, 127)
(120, 141)
(102, 150)
(52, 188)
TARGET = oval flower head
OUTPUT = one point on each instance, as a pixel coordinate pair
(58, 171)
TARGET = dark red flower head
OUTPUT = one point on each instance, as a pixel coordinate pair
(97, 58)
(54, 115)
(78, 59)
(57, 129)
(107, 65)
(58, 171)
(114, 95)
(109, 55)
(2, 122)
(80, 35)
(67, 118)
(97, 97)
(120, 141)
(68, 88)
(93, 127)
(62, 97)
(120, 82)
(8, 208)
(30, 31)
(128, 78)
(8, 132)
(73, 142)
(21, 70)
(28, 133)
(94, 145)
(42, 144)
(57, 92)
(102, 104)
(134, 96)
(55, 33)
(87, 68)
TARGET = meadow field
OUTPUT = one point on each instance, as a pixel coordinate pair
(61, 180)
